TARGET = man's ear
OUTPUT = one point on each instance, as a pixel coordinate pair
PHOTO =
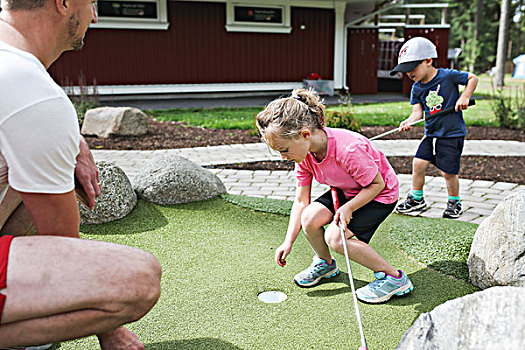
(63, 6)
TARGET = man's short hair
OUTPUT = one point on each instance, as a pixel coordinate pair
(22, 4)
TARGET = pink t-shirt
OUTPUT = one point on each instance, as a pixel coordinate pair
(351, 163)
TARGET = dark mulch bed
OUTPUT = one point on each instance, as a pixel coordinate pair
(167, 135)
(499, 169)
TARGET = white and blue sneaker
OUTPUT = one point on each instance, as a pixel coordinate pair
(35, 347)
(317, 270)
(384, 287)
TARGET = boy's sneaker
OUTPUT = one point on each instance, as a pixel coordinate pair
(384, 287)
(411, 204)
(315, 272)
(453, 210)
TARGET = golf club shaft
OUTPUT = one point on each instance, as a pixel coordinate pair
(446, 111)
(350, 276)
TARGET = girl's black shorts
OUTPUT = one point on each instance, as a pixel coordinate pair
(365, 220)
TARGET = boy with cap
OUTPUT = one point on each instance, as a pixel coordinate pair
(435, 89)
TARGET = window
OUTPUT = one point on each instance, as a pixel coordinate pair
(268, 18)
(132, 14)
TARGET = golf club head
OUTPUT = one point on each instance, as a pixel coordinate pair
(362, 348)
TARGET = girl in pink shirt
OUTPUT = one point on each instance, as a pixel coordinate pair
(367, 188)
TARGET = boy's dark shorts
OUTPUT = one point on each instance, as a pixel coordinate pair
(365, 220)
(447, 153)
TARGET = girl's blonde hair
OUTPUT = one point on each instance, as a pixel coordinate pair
(286, 117)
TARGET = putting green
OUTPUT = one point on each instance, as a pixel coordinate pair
(216, 258)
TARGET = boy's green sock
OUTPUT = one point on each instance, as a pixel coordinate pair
(454, 198)
(417, 195)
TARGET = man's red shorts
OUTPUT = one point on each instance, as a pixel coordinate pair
(5, 244)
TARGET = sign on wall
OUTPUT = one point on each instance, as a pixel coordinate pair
(258, 14)
(127, 9)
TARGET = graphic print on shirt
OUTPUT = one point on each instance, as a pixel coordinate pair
(434, 101)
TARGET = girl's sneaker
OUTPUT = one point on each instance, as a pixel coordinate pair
(384, 287)
(315, 272)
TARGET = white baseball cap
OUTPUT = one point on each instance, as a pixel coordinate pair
(412, 53)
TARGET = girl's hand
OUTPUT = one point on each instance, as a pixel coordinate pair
(281, 253)
(343, 214)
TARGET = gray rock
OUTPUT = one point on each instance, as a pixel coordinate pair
(497, 254)
(486, 320)
(119, 121)
(116, 200)
(173, 180)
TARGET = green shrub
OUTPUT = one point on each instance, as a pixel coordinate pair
(84, 99)
(509, 109)
(343, 117)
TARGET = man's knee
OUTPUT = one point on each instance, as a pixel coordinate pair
(145, 286)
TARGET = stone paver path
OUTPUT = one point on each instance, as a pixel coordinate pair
(479, 197)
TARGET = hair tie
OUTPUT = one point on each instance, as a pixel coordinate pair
(298, 98)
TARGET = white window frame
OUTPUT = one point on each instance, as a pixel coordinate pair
(260, 27)
(159, 23)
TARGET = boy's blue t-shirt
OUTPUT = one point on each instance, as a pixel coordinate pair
(437, 95)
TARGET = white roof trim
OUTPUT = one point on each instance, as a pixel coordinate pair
(105, 90)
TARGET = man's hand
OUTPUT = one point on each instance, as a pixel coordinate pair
(120, 339)
(87, 173)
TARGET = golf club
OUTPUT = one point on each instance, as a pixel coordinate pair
(350, 277)
(446, 111)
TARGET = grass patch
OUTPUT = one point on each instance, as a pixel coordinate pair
(216, 257)
(389, 114)
(393, 113)
(213, 118)
(268, 205)
(439, 243)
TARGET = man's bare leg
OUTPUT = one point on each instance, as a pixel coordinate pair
(65, 288)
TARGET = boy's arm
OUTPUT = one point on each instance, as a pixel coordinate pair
(417, 113)
(463, 100)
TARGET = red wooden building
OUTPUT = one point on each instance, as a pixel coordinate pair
(170, 47)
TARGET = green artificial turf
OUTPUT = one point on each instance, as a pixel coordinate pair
(442, 244)
(217, 256)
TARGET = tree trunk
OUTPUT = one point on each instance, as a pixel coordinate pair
(520, 25)
(502, 44)
(477, 23)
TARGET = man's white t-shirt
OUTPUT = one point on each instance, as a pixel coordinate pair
(39, 133)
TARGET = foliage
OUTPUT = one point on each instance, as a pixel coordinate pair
(481, 53)
(84, 98)
(342, 117)
(510, 109)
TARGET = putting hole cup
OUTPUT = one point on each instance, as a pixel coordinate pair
(272, 297)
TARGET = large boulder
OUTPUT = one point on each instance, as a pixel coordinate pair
(118, 121)
(173, 180)
(497, 254)
(116, 200)
(486, 320)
